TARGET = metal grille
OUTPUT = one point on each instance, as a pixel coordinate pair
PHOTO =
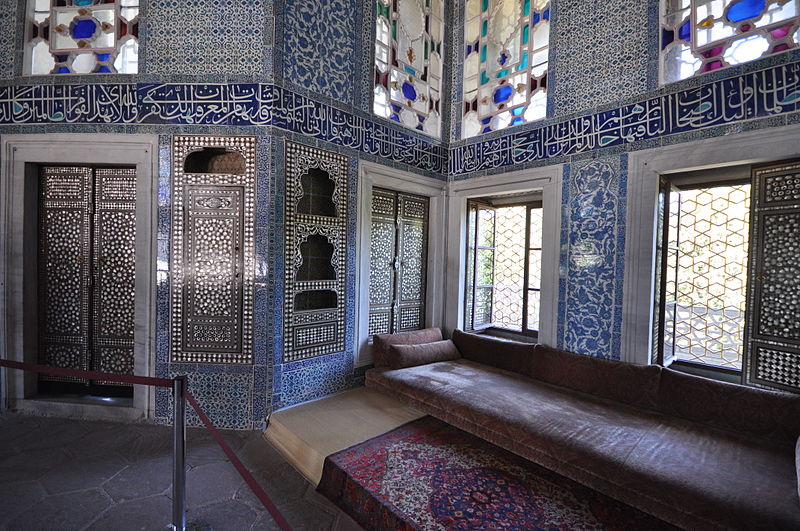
(398, 251)
(509, 267)
(316, 211)
(712, 239)
(213, 256)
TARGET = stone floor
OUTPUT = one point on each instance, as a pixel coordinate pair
(68, 475)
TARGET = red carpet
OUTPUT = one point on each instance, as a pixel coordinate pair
(430, 475)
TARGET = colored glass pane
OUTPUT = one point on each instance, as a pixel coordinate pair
(506, 66)
(408, 62)
(82, 37)
(721, 33)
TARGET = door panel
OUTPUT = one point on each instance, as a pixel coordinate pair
(87, 254)
(412, 256)
(64, 268)
(114, 264)
(772, 343)
(381, 262)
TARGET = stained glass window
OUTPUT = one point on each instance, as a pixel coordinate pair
(408, 63)
(506, 44)
(82, 37)
(699, 36)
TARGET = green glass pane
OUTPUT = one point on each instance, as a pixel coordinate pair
(523, 64)
(483, 53)
(502, 73)
(484, 78)
(426, 50)
(484, 28)
(485, 267)
(485, 5)
(525, 33)
(526, 8)
(394, 29)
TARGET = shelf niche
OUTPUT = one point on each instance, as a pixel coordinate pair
(215, 160)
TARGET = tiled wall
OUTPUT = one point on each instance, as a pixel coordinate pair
(304, 73)
(592, 256)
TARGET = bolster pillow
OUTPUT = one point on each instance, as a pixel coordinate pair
(402, 356)
(504, 354)
(382, 342)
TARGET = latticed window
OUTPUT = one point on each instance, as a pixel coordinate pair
(504, 267)
(408, 63)
(82, 37)
(398, 251)
(506, 46)
(699, 36)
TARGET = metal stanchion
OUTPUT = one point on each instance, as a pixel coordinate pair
(179, 454)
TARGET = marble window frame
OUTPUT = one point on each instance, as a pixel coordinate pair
(546, 179)
(372, 175)
(645, 167)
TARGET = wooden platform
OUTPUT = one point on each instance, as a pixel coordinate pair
(307, 433)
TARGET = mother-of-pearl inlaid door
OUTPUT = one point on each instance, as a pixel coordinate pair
(87, 254)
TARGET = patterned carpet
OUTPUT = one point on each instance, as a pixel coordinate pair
(430, 475)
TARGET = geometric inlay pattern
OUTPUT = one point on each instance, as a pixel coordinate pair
(778, 367)
(213, 252)
(772, 355)
(398, 256)
(315, 252)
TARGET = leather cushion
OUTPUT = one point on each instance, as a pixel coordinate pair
(635, 385)
(768, 414)
(382, 342)
(501, 353)
(402, 356)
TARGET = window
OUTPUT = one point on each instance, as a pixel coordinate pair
(408, 63)
(504, 267)
(82, 37)
(506, 46)
(699, 36)
(705, 274)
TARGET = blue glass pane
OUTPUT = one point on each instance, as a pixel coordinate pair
(503, 59)
(409, 91)
(421, 118)
(486, 120)
(83, 28)
(103, 56)
(61, 58)
(502, 93)
(487, 130)
(410, 70)
(395, 107)
(536, 18)
(518, 111)
(667, 36)
(63, 70)
(523, 64)
(516, 121)
(104, 70)
(744, 9)
(83, 2)
(684, 32)
(546, 14)
(395, 118)
(469, 50)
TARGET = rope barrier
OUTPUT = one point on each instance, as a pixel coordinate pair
(164, 382)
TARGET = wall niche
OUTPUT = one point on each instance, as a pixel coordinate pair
(316, 216)
(213, 214)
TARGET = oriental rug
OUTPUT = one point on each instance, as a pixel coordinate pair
(429, 475)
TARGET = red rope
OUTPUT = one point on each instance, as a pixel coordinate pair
(164, 382)
(246, 475)
(88, 375)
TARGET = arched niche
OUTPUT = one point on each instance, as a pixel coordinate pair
(215, 160)
(317, 254)
(317, 198)
(320, 299)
